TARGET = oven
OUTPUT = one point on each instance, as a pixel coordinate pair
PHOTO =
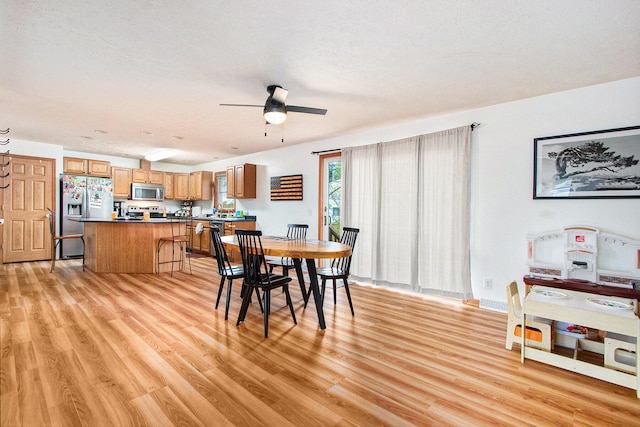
(139, 211)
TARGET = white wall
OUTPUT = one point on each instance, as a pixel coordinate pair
(503, 210)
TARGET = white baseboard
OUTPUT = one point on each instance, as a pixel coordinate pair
(493, 305)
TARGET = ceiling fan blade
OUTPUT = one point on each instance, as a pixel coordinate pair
(279, 94)
(242, 105)
(308, 110)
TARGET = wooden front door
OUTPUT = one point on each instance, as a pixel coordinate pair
(26, 235)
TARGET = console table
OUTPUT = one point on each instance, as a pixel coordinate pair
(583, 308)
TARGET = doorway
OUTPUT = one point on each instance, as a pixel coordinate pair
(26, 235)
(330, 197)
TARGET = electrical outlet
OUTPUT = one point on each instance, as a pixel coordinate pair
(488, 283)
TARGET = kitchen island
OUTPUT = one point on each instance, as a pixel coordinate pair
(125, 245)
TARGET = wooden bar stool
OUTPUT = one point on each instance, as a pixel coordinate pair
(56, 240)
(181, 230)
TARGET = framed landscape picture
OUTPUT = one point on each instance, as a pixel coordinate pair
(588, 165)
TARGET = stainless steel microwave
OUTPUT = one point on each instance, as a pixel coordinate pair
(147, 192)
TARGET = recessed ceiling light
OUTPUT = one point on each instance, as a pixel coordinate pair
(144, 132)
(85, 137)
(234, 148)
(177, 137)
(100, 131)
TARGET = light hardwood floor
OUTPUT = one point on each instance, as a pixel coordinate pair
(79, 348)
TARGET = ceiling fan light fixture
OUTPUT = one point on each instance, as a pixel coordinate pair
(275, 114)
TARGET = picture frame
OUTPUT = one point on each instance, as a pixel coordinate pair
(588, 165)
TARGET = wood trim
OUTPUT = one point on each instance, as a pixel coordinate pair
(321, 159)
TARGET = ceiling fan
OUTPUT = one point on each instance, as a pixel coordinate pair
(275, 110)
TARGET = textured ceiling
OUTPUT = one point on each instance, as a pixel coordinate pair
(71, 69)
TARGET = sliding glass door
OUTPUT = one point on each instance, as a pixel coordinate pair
(330, 196)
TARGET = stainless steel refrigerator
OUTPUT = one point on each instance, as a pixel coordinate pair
(82, 197)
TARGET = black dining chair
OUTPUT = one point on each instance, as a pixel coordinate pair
(226, 270)
(340, 267)
(256, 276)
(294, 232)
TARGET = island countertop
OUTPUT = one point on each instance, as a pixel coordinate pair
(125, 246)
(125, 220)
(139, 220)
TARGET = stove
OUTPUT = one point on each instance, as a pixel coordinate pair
(138, 211)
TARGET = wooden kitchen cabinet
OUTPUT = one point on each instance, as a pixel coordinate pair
(146, 176)
(201, 185)
(121, 182)
(200, 242)
(181, 186)
(167, 182)
(230, 228)
(74, 166)
(139, 175)
(99, 168)
(241, 181)
(205, 238)
(156, 177)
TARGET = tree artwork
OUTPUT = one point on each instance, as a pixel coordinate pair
(591, 156)
(587, 165)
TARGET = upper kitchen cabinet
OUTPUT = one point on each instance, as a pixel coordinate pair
(99, 168)
(168, 185)
(146, 176)
(121, 182)
(241, 181)
(201, 185)
(74, 166)
(181, 186)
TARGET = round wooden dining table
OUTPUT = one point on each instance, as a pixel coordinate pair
(297, 250)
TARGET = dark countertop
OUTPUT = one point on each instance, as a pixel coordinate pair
(135, 220)
(123, 220)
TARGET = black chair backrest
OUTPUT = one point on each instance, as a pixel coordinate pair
(255, 266)
(219, 251)
(52, 221)
(349, 236)
(297, 231)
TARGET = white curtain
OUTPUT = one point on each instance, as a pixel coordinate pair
(410, 199)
